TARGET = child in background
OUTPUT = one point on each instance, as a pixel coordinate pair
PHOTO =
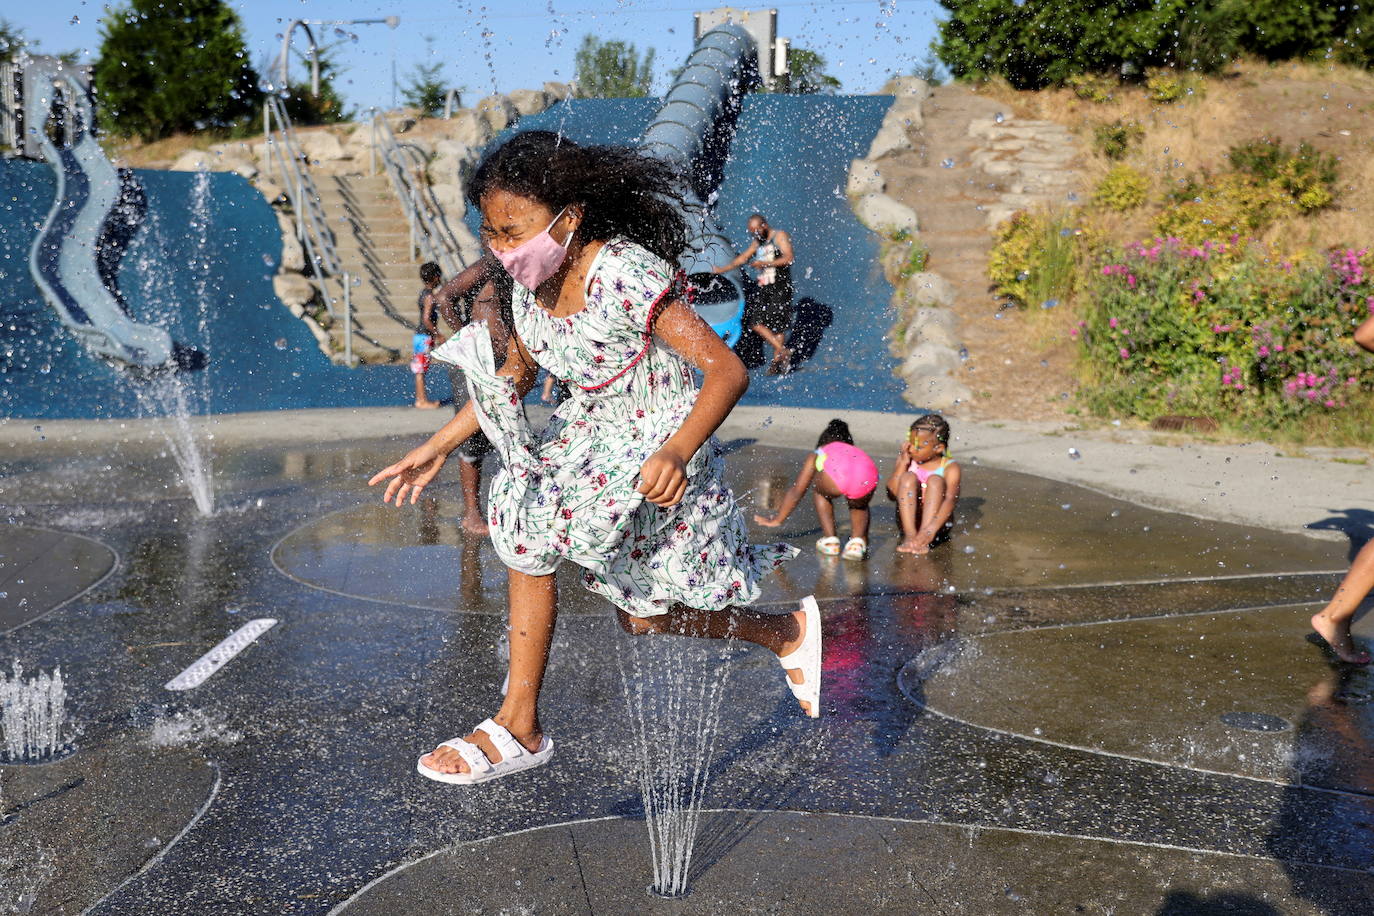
(925, 484)
(423, 340)
(838, 469)
(1332, 623)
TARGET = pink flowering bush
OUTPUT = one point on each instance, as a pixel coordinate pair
(1226, 329)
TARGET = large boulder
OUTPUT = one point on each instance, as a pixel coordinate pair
(907, 113)
(907, 87)
(530, 101)
(197, 159)
(932, 326)
(864, 178)
(293, 289)
(881, 213)
(559, 92)
(936, 392)
(450, 197)
(292, 253)
(927, 359)
(890, 138)
(321, 146)
(925, 289)
(468, 128)
(498, 111)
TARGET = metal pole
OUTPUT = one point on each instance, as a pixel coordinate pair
(300, 207)
(348, 318)
(267, 136)
(374, 141)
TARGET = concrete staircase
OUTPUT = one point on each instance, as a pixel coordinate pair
(373, 243)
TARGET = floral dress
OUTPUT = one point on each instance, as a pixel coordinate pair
(568, 493)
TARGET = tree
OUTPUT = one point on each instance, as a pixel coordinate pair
(304, 107)
(806, 74)
(12, 40)
(172, 65)
(930, 69)
(425, 88)
(612, 69)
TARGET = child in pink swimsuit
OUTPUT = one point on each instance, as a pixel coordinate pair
(925, 484)
(838, 469)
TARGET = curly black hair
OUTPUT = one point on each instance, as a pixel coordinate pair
(835, 431)
(622, 192)
(936, 424)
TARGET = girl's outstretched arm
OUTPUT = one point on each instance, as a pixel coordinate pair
(946, 510)
(663, 478)
(793, 496)
(416, 470)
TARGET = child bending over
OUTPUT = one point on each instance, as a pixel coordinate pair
(837, 469)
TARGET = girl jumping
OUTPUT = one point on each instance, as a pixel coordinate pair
(626, 479)
(925, 484)
(837, 469)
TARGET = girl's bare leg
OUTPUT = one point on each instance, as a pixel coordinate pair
(533, 612)
(781, 634)
(1332, 623)
(781, 353)
(932, 497)
(470, 475)
(858, 517)
(825, 511)
(908, 502)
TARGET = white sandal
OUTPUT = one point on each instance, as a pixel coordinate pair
(829, 547)
(807, 657)
(855, 549)
(514, 757)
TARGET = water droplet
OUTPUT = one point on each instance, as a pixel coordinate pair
(947, 164)
(45, 368)
(1116, 513)
(999, 117)
(963, 353)
(1066, 506)
(280, 343)
(1049, 303)
(969, 548)
(76, 20)
(1075, 454)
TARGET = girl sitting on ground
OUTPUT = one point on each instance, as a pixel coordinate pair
(626, 479)
(838, 469)
(925, 484)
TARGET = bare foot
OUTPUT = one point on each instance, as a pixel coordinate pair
(1338, 640)
(427, 405)
(447, 760)
(782, 362)
(475, 524)
(914, 546)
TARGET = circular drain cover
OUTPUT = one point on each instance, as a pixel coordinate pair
(1255, 721)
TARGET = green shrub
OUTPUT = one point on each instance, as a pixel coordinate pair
(1122, 188)
(1227, 330)
(917, 259)
(1234, 204)
(1114, 140)
(1166, 85)
(1093, 87)
(1034, 258)
(1307, 175)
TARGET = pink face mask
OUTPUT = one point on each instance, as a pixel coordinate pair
(534, 261)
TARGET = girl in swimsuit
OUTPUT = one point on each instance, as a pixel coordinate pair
(925, 484)
(837, 468)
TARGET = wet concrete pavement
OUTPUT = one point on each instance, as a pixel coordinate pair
(925, 788)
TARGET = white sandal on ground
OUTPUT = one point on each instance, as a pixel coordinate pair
(855, 549)
(829, 547)
(514, 757)
(807, 657)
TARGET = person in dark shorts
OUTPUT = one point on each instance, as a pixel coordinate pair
(768, 313)
(481, 292)
(424, 338)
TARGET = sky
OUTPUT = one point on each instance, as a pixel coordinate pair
(499, 45)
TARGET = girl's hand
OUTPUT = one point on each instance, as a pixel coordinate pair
(904, 455)
(767, 522)
(663, 478)
(411, 474)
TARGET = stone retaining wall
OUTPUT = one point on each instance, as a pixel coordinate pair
(925, 338)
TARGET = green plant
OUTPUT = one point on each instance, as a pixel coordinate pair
(1230, 330)
(1033, 261)
(167, 66)
(1115, 139)
(612, 69)
(1166, 85)
(1306, 174)
(918, 257)
(425, 89)
(1093, 87)
(1122, 188)
(1206, 209)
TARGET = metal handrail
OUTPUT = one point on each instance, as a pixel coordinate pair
(312, 228)
(429, 230)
